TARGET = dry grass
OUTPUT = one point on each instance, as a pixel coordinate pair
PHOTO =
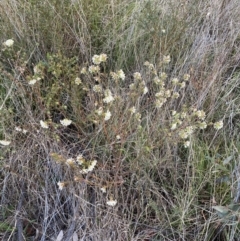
(164, 190)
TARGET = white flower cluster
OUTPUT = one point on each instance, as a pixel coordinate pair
(161, 97)
(34, 81)
(166, 59)
(61, 185)
(118, 75)
(97, 88)
(138, 86)
(65, 122)
(112, 202)
(19, 129)
(188, 117)
(70, 162)
(44, 124)
(83, 70)
(108, 96)
(8, 43)
(133, 110)
(218, 125)
(99, 111)
(186, 77)
(93, 69)
(159, 81)
(87, 166)
(175, 81)
(186, 144)
(200, 114)
(78, 81)
(186, 132)
(137, 76)
(121, 74)
(98, 59)
(107, 115)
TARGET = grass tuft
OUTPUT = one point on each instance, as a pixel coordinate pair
(119, 120)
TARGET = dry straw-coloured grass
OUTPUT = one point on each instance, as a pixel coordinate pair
(151, 152)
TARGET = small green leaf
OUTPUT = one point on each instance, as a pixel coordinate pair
(222, 211)
(234, 207)
(227, 160)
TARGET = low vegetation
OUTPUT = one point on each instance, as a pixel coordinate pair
(119, 120)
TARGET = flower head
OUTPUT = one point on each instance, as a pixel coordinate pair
(159, 102)
(133, 110)
(38, 69)
(121, 74)
(44, 124)
(200, 114)
(137, 76)
(175, 81)
(78, 81)
(108, 96)
(186, 77)
(182, 85)
(167, 93)
(145, 90)
(80, 160)
(93, 69)
(175, 95)
(18, 129)
(138, 116)
(166, 59)
(218, 125)
(97, 88)
(70, 162)
(99, 111)
(108, 99)
(185, 133)
(32, 82)
(202, 125)
(83, 70)
(65, 122)
(103, 57)
(4, 142)
(92, 165)
(132, 86)
(157, 80)
(9, 43)
(146, 63)
(112, 202)
(98, 59)
(114, 76)
(174, 126)
(186, 144)
(61, 185)
(163, 76)
(89, 168)
(107, 115)
(103, 189)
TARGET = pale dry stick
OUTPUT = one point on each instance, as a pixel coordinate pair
(73, 225)
(237, 174)
(19, 223)
(9, 92)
